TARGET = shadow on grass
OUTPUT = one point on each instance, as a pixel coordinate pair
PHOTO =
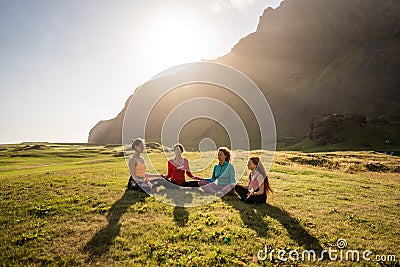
(253, 216)
(104, 238)
(181, 214)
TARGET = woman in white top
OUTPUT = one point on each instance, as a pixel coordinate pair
(258, 187)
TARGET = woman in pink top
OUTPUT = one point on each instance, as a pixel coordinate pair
(258, 187)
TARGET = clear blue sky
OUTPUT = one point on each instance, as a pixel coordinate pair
(65, 65)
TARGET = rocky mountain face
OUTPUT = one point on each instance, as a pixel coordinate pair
(315, 57)
(322, 56)
(323, 127)
(109, 131)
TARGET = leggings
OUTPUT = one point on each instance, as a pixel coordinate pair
(170, 184)
(243, 191)
(139, 186)
(214, 188)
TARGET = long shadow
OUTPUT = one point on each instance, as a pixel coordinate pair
(181, 214)
(253, 214)
(104, 238)
(295, 230)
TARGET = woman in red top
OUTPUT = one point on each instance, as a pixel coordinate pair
(177, 167)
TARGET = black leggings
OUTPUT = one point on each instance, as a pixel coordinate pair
(191, 183)
(137, 186)
(170, 184)
(243, 191)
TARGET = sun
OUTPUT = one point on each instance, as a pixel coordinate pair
(174, 39)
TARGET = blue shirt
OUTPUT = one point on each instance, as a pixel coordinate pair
(223, 175)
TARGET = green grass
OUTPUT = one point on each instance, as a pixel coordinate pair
(66, 204)
(354, 137)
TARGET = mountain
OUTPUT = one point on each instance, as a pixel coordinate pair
(315, 57)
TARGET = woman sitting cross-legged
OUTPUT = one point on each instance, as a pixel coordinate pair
(177, 167)
(139, 179)
(258, 187)
(223, 175)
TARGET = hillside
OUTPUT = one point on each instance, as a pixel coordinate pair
(313, 57)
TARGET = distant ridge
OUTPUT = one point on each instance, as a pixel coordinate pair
(315, 57)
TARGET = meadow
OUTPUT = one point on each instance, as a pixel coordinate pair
(67, 205)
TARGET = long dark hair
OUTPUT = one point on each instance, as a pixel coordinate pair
(180, 147)
(261, 169)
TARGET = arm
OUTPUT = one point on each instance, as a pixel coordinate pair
(213, 178)
(261, 190)
(149, 175)
(232, 174)
(169, 170)
(132, 167)
(251, 187)
(187, 169)
(260, 182)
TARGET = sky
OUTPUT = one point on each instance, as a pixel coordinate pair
(67, 64)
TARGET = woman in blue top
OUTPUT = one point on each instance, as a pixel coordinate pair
(222, 180)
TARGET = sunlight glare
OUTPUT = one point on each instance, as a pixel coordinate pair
(173, 40)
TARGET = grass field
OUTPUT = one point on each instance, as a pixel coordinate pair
(66, 204)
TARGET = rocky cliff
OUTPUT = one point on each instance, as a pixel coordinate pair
(315, 56)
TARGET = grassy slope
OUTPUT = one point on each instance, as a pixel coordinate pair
(76, 211)
(356, 137)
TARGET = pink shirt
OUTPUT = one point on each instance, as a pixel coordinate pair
(255, 180)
